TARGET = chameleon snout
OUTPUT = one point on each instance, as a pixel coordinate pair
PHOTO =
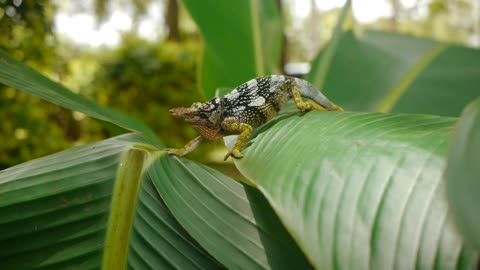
(178, 112)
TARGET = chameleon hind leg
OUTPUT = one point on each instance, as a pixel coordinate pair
(302, 105)
(245, 130)
(189, 147)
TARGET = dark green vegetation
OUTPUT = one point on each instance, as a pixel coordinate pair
(361, 189)
(160, 70)
(141, 78)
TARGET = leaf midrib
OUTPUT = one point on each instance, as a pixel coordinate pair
(394, 94)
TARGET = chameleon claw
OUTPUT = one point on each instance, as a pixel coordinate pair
(234, 153)
(337, 108)
(180, 152)
(173, 151)
(317, 107)
(306, 107)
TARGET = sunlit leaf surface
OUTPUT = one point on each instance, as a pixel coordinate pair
(232, 222)
(360, 190)
(54, 214)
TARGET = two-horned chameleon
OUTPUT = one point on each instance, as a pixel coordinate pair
(246, 107)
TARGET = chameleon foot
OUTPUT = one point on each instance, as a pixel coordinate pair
(235, 153)
(337, 108)
(175, 152)
(305, 107)
(186, 149)
(314, 106)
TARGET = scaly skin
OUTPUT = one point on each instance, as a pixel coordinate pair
(247, 107)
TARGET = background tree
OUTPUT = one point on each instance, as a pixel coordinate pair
(171, 18)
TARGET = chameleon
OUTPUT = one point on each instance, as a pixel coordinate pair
(247, 107)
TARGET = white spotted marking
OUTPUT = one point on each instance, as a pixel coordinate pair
(233, 95)
(259, 101)
(275, 82)
(239, 108)
(252, 85)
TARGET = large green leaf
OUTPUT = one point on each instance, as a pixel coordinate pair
(242, 41)
(159, 241)
(232, 222)
(360, 190)
(53, 210)
(397, 73)
(463, 173)
(73, 208)
(22, 77)
(87, 208)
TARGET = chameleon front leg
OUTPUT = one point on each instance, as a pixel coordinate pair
(245, 130)
(302, 105)
(189, 147)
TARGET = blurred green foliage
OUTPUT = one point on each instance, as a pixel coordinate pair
(142, 78)
(25, 137)
(29, 127)
(32, 21)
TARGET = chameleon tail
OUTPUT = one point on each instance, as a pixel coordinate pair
(308, 90)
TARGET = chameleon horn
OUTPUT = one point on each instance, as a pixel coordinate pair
(180, 111)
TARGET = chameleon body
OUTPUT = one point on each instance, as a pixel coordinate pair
(247, 107)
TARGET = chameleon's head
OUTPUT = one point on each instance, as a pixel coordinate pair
(200, 114)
